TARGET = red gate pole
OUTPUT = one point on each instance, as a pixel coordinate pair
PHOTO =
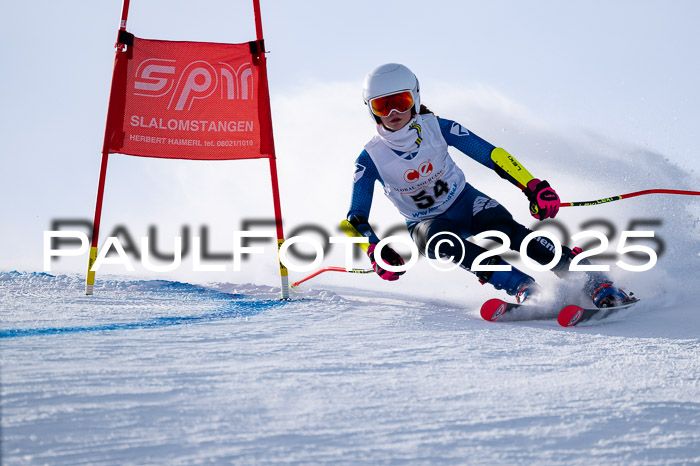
(268, 143)
(114, 98)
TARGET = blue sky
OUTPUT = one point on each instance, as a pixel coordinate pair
(624, 72)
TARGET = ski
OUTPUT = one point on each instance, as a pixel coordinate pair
(574, 315)
(495, 309)
(569, 316)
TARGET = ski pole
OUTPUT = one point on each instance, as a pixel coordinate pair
(628, 195)
(330, 269)
(349, 230)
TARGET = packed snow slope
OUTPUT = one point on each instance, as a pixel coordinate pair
(357, 370)
(172, 373)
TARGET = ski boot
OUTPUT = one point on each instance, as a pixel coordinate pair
(527, 290)
(608, 295)
(514, 282)
(598, 285)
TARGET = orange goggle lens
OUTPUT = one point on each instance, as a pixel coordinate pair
(383, 106)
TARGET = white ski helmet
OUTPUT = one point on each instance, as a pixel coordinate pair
(388, 79)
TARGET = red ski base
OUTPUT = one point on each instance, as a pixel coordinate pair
(493, 309)
(570, 315)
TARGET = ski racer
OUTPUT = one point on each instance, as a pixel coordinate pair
(409, 157)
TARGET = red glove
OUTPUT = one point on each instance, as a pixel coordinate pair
(544, 202)
(389, 256)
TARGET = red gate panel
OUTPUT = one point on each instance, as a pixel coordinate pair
(190, 100)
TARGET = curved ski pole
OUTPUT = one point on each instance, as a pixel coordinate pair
(349, 230)
(330, 269)
(628, 195)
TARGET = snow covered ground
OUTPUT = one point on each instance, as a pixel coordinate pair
(173, 373)
(195, 368)
(354, 369)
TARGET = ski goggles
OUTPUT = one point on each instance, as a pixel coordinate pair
(383, 106)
